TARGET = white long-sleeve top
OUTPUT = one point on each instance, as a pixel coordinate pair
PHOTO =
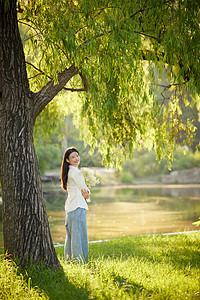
(75, 184)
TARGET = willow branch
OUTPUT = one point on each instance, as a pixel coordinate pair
(50, 90)
(27, 25)
(85, 85)
(148, 35)
(39, 70)
(74, 90)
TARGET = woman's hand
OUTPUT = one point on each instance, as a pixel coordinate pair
(85, 193)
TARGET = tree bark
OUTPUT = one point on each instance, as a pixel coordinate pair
(25, 224)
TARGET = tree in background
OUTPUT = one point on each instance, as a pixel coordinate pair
(50, 148)
(107, 51)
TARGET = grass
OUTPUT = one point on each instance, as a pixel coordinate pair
(145, 267)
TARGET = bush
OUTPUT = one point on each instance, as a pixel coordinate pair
(188, 160)
(127, 177)
(49, 157)
(146, 164)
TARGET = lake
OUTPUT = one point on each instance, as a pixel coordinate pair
(128, 210)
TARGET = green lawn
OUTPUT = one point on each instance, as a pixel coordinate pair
(145, 267)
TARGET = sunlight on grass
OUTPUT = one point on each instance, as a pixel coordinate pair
(14, 285)
(145, 267)
(158, 267)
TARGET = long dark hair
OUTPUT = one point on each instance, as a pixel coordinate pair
(65, 167)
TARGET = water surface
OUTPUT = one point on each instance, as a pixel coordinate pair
(130, 210)
(127, 210)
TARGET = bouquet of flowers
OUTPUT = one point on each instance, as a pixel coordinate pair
(90, 178)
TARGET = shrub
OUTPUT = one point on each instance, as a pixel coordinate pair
(127, 177)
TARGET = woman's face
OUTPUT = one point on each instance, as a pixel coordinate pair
(74, 159)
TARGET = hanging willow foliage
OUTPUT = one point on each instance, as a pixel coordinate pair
(118, 46)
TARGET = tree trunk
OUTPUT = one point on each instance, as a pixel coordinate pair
(25, 224)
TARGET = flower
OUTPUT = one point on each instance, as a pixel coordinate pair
(90, 178)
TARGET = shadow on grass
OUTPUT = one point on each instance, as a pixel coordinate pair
(180, 251)
(54, 283)
(131, 288)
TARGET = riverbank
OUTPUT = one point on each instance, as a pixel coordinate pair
(109, 177)
(148, 267)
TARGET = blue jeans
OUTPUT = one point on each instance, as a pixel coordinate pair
(76, 243)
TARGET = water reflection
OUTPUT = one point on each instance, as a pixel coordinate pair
(131, 210)
(128, 210)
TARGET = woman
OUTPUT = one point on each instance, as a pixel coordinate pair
(76, 243)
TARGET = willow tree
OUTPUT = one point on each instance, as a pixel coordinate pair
(107, 51)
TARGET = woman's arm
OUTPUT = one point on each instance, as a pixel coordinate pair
(80, 182)
(85, 193)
